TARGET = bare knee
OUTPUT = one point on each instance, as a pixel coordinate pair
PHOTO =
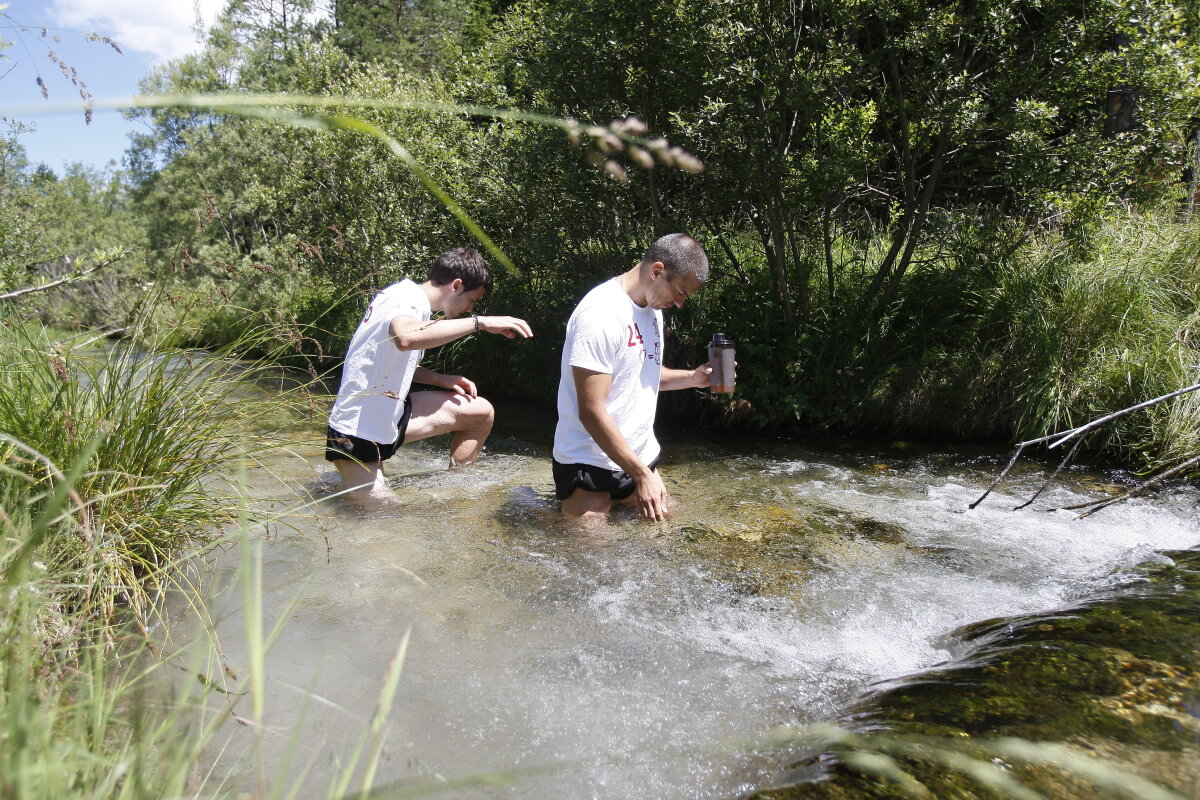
(584, 504)
(478, 413)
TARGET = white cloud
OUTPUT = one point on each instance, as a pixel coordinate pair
(163, 29)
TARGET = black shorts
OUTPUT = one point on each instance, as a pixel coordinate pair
(343, 446)
(569, 477)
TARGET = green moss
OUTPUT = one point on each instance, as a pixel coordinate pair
(1116, 681)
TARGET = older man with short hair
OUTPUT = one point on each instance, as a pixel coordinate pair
(610, 377)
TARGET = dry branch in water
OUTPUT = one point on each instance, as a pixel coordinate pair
(1062, 437)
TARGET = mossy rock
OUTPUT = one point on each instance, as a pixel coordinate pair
(1116, 681)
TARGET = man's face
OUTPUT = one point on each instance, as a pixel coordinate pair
(463, 302)
(671, 291)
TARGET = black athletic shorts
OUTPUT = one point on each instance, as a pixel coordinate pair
(569, 477)
(351, 448)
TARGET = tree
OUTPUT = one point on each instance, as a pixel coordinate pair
(821, 123)
(856, 155)
(424, 35)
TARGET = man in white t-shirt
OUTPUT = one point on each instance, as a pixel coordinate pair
(611, 374)
(374, 412)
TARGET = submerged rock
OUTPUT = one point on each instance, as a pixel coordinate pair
(1113, 684)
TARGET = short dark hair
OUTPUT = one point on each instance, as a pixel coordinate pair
(680, 254)
(465, 264)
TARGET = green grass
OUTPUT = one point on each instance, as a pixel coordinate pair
(1095, 336)
(1013, 347)
(160, 426)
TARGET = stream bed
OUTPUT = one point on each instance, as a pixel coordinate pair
(795, 583)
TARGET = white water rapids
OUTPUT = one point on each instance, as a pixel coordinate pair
(649, 663)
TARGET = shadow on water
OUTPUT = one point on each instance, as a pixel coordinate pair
(656, 660)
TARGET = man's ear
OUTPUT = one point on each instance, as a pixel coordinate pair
(456, 285)
(657, 269)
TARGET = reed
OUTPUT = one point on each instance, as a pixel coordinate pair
(67, 674)
(1096, 335)
(160, 428)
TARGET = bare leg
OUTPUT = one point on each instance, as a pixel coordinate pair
(469, 419)
(582, 503)
(365, 482)
(588, 511)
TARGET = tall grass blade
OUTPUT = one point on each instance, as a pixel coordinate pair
(387, 696)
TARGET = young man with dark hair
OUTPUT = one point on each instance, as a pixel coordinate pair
(611, 374)
(374, 412)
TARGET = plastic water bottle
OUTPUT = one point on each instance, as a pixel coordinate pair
(721, 358)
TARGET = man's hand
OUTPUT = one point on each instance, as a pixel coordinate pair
(670, 380)
(505, 326)
(652, 497)
(458, 384)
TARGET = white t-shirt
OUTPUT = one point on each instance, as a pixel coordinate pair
(610, 333)
(377, 375)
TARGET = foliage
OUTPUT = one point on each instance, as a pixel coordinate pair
(149, 432)
(829, 123)
(268, 216)
(1046, 341)
(426, 35)
(872, 178)
(19, 245)
(55, 228)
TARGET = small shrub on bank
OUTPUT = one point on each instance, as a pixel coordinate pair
(159, 429)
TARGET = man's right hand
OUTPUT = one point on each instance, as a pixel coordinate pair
(652, 497)
(505, 326)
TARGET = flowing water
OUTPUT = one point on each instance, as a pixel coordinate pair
(651, 660)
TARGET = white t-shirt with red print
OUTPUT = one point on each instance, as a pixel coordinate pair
(610, 333)
(377, 375)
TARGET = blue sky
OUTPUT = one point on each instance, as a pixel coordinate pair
(150, 32)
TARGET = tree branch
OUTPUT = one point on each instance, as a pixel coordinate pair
(66, 279)
(1065, 436)
(1073, 432)
(1159, 478)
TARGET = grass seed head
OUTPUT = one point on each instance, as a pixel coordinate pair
(616, 170)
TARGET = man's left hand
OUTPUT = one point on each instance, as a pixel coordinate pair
(460, 385)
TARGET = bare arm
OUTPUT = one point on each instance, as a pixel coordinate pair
(454, 383)
(410, 333)
(592, 389)
(672, 379)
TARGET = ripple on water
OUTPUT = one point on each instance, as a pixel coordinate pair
(646, 661)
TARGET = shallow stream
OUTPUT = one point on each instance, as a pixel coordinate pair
(655, 660)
